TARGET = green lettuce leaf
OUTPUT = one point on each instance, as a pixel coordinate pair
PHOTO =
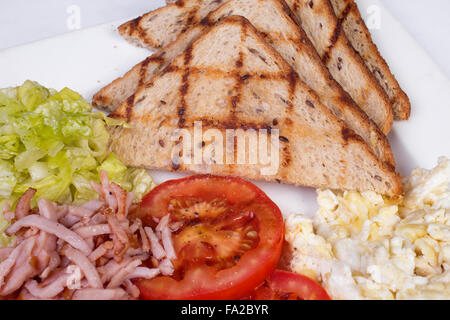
(54, 142)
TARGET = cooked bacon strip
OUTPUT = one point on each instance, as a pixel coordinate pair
(88, 269)
(135, 226)
(5, 253)
(175, 226)
(93, 205)
(120, 240)
(98, 238)
(121, 196)
(99, 294)
(31, 232)
(53, 263)
(132, 290)
(166, 267)
(6, 265)
(26, 295)
(49, 291)
(123, 273)
(166, 237)
(143, 272)
(24, 204)
(98, 218)
(69, 220)
(22, 270)
(111, 268)
(93, 230)
(117, 229)
(80, 212)
(101, 251)
(157, 250)
(144, 239)
(46, 243)
(107, 192)
(47, 210)
(51, 227)
(163, 223)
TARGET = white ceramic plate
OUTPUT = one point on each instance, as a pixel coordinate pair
(87, 60)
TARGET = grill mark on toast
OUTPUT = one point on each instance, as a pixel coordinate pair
(183, 91)
(129, 108)
(169, 69)
(287, 156)
(238, 89)
(144, 67)
(184, 87)
(288, 11)
(240, 79)
(348, 134)
(143, 34)
(345, 12)
(232, 120)
(334, 38)
(191, 20)
(133, 25)
(292, 77)
(188, 55)
(205, 21)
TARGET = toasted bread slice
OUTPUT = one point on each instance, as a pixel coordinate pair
(290, 41)
(114, 94)
(230, 78)
(345, 64)
(159, 27)
(359, 36)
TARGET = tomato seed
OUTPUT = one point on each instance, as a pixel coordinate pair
(252, 234)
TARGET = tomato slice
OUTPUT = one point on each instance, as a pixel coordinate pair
(283, 285)
(230, 240)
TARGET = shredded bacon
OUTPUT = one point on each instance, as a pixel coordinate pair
(88, 252)
(24, 203)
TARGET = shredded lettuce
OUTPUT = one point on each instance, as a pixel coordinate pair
(4, 239)
(134, 180)
(54, 142)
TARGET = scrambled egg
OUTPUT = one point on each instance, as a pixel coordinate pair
(365, 246)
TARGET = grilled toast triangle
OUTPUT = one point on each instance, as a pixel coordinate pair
(160, 27)
(285, 36)
(324, 29)
(231, 79)
(360, 38)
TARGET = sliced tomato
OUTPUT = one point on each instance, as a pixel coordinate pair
(230, 240)
(283, 285)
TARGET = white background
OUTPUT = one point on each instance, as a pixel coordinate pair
(23, 21)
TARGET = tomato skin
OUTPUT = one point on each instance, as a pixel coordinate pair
(284, 285)
(203, 282)
(229, 293)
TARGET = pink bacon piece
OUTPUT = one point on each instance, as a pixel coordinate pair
(24, 204)
(51, 227)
